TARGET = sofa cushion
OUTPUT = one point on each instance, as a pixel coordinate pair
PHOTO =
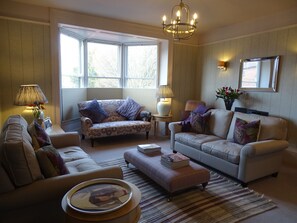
(72, 153)
(200, 122)
(129, 109)
(223, 149)
(17, 155)
(219, 122)
(39, 136)
(271, 127)
(81, 165)
(246, 132)
(94, 111)
(194, 140)
(50, 162)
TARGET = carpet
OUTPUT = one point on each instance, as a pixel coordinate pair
(222, 201)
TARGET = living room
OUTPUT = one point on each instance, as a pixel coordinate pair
(29, 54)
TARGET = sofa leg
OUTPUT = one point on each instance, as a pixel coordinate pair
(82, 136)
(92, 142)
(147, 135)
(244, 184)
(274, 174)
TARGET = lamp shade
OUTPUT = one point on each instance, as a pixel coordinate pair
(164, 91)
(30, 94)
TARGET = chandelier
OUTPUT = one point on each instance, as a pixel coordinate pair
(180, 26)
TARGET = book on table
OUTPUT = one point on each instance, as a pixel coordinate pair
(148, 148)
(175, 160)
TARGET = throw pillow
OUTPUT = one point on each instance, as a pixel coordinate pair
(200, 122)
(50, 162)
(246, 132)
(39, 136)
(94, 111)
(129, 109)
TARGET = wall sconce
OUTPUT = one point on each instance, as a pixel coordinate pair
(222, 65)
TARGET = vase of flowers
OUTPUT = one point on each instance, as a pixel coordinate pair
(228, 94)
(38, 110)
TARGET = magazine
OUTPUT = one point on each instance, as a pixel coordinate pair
(174, 165)
(148, 148)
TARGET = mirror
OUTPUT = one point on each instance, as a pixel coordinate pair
(258, 74)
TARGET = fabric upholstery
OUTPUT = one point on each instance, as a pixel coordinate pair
(5, 183)
(94, 111)
(200, 122)
(246, 132)
(270, 128)
(50, 161)
(129, 109)
(38, 135)
(223, 149)
(219, 122)
(17, 154)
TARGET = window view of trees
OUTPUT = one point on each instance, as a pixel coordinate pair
(142, 66)
(109, 65)
(70, 62)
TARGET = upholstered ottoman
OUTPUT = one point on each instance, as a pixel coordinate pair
(172, 180)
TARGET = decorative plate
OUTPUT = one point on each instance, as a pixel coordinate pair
(99, 196)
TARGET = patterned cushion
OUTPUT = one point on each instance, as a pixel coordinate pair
(200, 122)
(50, 162)
(129, 109)
(39, 136)
(94, 111)
(246, 132)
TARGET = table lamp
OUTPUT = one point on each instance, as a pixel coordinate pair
(163, 107)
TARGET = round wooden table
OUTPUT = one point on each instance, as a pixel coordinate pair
(130, 212)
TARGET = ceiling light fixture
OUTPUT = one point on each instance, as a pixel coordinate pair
(180, 26)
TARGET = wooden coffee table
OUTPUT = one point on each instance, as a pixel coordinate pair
(130, 212)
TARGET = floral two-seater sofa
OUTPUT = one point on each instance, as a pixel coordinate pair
(103, 118)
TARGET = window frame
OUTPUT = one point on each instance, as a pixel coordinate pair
(123, 58)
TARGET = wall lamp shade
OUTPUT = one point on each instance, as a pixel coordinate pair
(29, 95)
(222, 65)
(164, 105)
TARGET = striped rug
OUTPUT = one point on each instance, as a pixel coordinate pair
(222, 201)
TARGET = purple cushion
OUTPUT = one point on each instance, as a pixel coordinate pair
(246, 132)
(94, 111)
(200, 122)
(200, 109)
(129, 109)
(50, 162)
(39, 136)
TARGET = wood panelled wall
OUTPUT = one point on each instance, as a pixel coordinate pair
(24, 59)
(184, 76)
(282, 103)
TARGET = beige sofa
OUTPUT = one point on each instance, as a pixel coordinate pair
(25, 194)
(217, 150)
(114, 124)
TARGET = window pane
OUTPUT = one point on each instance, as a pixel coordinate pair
(104, 62)
(95, 82)
(142, 66)
(70, 61)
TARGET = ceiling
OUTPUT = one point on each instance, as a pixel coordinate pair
(212, 14)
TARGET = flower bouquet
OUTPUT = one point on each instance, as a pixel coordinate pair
(228, 94)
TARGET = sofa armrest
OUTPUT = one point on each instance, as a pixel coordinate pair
(86, 122)
(263, 147)
(174, 128)
(65, 139)
(52, 188)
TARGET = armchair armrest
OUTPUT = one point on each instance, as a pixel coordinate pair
(263, 147)
(174, 128)
(65, 139)
(145, 116)
(52, 188)
(86, 122)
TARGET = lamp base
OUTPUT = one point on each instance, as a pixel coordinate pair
(163, 107)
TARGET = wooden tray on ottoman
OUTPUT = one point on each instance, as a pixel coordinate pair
(172, 180)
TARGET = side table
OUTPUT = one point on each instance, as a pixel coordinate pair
(159, 118)
(129, 213)
(54, 129)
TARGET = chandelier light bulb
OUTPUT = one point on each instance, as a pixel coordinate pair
(178, 14)
(195, 16)
(164, 18)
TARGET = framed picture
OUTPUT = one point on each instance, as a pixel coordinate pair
(47, 122)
